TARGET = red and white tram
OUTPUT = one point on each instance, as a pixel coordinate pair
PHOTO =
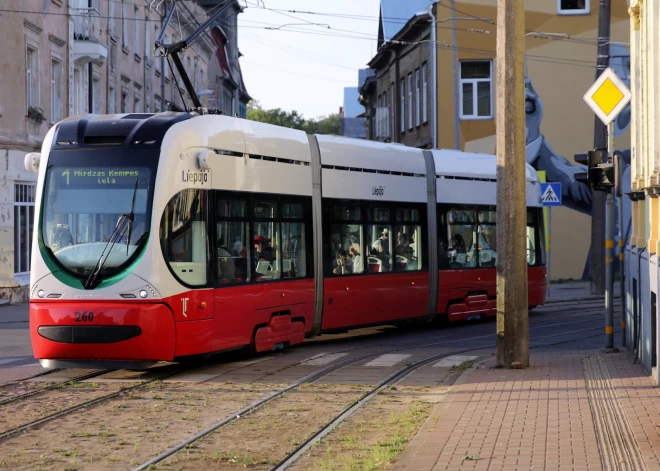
(160, 236)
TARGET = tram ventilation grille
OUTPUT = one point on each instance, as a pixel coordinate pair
(371, 170)
(113, 140)
(278, 160)
(472, 179)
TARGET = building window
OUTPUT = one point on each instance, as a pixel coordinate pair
(113, 57)
(573, 7)
(124, 100)
(402, 113)
(410, 102)
(425, 114)
(476, 90)
(23, 225)
(417, 110)
(111, 17)
(124, 23)
(55, 91)
(137, 105)
(32, 77)
(392, 115)
(136, 31)
(242, 110)
(96, 95)
(112, 100)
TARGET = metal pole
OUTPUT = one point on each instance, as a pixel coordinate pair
(609, 258)
(600, 141)
(549, 251)
(512, 303)
(622, 275)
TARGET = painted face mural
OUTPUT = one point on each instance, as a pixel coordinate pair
(541, 156)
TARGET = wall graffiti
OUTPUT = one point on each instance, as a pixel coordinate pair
(540, 154)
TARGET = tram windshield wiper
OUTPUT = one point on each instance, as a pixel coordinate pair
(131, 217)
(126, 220)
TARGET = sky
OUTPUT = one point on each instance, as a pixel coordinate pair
(304, 66)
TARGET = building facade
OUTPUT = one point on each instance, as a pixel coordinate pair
(226, 78)
(642, 273)
(68, 57)
(561, 46)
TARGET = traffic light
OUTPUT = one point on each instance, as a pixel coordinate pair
(600, 174)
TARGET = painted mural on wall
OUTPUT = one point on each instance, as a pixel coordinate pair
(577, 195)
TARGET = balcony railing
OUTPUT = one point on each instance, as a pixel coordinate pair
(86, 23)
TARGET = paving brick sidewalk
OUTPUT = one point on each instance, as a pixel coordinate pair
(571, 410)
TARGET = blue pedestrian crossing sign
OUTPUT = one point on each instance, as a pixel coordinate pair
(551, 194)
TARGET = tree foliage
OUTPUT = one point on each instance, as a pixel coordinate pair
(330, 124)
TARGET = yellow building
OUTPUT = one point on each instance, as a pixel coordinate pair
(561, 45)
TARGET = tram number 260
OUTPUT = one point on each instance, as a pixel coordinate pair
(84, 316)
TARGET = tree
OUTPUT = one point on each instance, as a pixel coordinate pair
(292, 119)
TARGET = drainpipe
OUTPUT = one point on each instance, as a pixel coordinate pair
(434, 80)
(397, 92)
(457, 134)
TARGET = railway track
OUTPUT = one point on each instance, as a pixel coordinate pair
(50, 387)
(390, 380)
(585, 316)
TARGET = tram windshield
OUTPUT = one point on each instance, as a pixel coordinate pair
(85, 195)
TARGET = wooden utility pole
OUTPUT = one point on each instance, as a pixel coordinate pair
(512, 307)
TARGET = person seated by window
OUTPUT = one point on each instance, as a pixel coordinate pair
(381, 250)
(411, 263)
(343, 263)
(458, 244)
(263, 250)
(402, 243)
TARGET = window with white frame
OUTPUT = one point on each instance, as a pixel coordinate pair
(55, 90)
(402, 112)
(124, 23)
(410, 102)
(32, 77)
(23, 225)
(425, 114)
(476, 89)
(573, 7)
(417, 110)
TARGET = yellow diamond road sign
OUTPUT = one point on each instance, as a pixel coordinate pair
(607, 96)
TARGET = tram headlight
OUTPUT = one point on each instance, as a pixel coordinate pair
(143, 293)
(41, 293)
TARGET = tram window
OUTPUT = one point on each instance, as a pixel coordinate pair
(232, 252)
(266, 251)
(461, 232)
(407, 215)
(347, 211)
(487, 238)
(183, 229)
(535, 239)
(292, 211)
(379, 243)
(378, 215)
(229, 208)
(408, 250)
(346, 249)
(265, 209)
(293, 250)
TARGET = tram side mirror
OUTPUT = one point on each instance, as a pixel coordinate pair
(31, 161)
(204, 158)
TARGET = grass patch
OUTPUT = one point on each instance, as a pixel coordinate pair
(350, 451)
